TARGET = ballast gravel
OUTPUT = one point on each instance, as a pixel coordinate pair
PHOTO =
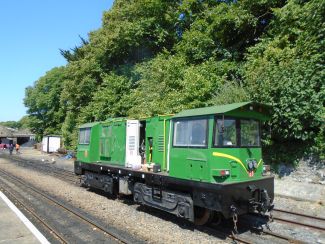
(305, 207)
(149, 224)
(145, 224)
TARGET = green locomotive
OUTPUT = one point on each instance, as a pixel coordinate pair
(196, 164)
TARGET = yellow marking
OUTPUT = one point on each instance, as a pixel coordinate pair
(259, 163)
(150, 155)
(223, 155)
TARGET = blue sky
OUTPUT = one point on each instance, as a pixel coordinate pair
(31, 34)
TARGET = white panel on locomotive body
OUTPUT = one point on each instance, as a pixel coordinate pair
(132, 156)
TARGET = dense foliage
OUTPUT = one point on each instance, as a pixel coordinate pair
(153, 56)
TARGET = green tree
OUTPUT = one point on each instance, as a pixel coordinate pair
(169, 84)
(11, 124)
(286, 70)
(152, 57)
(133, 31)
(109, 99)
(43, 103)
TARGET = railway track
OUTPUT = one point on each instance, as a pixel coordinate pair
(47, 168)
(71, 214)
(71, 177)
(295, 218)
(276, 237)
(279, 214)
(245, 234)
(299, 219)
(225, 234)
(57, 172)
(282, 237)
(260, 228)
(21, 205)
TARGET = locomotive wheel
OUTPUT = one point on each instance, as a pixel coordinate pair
(217, 218)
(202, 216)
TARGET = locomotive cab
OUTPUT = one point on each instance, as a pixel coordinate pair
(221, 144)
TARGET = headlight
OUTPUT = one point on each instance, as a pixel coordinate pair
(251, 164)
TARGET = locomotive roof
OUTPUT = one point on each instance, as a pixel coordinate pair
(258, 110)
(88, 125)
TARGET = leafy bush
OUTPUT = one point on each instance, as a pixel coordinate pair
(155, 57)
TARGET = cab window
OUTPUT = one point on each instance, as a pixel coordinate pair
(249, 133)
(225, 133)
(190, 133)
(84, 135)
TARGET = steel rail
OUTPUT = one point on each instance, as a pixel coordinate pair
(63, 206)
(283, 237)
(54, 171)
(246, 240)
(70, 174)
(240, 239)
(24, 206)
(61, 173)
(271, 233)
(299, 214)
(298, 222)
(226, 234)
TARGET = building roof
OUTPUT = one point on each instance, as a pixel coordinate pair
(5, 132)
(10, 132)
(254, 110)
(22, 133)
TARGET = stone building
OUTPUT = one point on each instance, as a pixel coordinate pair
(10, 135)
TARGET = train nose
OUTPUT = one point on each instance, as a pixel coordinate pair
(260, 201)
(266, 204)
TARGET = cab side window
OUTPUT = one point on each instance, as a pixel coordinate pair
(84, 135)
(249, 133)
(190, 133)
(225, 133)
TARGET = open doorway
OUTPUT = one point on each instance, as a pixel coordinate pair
(142, 141)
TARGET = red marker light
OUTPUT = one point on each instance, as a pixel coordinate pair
(224, 172)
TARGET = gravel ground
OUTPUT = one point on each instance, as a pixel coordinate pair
(54, 158)
(299, 233)
(287, 177)
(67, 225)
(308, 171)
(304, 182)
(147, 223)
(309, 208)
(150, 225)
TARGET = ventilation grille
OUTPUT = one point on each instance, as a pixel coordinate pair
(161, 147)
(131, 142)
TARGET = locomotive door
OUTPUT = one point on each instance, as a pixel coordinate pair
(105, 143)
(189, 155)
